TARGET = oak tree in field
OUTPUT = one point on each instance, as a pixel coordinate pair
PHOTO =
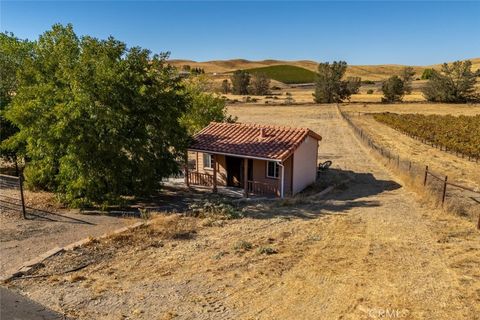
(225, 86)
(259, 84)
(329, 86)
(240, 81)
(99, 120)
(453, 83)
(13, 53)
(407, 75)
(393, 89)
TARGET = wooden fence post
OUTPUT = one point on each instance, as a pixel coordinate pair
(444, 190)
(425, 178)
(20, 184)
(214, 182)
(410, 166)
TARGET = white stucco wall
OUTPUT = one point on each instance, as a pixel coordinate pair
(305, 164)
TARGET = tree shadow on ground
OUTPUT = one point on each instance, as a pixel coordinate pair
(14, 209)
(44, 215)
(352, 190)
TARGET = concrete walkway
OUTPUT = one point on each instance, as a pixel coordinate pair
(14, 306)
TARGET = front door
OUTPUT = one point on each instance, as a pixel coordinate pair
(234, 171)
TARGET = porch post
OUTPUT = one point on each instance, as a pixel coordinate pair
(214, 159)
(245, 177)
(187, 182)
(282, 180)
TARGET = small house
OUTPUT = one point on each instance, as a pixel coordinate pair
(260, 159)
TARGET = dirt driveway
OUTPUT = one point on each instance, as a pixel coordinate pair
(370, 251)
(22, 240)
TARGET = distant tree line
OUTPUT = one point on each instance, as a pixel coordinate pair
(196, 70)
(453, 83)
(93, 120)
(243, 83)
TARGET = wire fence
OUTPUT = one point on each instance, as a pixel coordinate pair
(433, 144)
(465, 199)
(11, 195)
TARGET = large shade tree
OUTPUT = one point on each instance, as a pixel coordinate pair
(13, 53)
(99, 120)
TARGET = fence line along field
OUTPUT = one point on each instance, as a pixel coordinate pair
(460, 199)
(459, 134)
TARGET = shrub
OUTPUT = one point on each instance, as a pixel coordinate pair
(242, 246)
(370, 91)
(267, 250)
(214, 208)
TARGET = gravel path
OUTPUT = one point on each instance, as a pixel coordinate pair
(22, 240)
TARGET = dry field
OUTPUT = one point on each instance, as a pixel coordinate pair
(305, 95)
(369, 250)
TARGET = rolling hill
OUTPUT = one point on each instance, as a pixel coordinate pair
(366, 72)
(286, 73)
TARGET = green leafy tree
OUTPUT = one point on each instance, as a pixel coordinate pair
(240, 81)
(99, 120)
(407, 75)
(393, 89)
(427, 73)
(453, 83)
(13, 53)
(260, 84)
(329, 86)
(204, 107)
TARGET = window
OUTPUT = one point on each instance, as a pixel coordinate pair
(272, 169)
(207, 161)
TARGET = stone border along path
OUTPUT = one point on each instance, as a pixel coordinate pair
(35, 262)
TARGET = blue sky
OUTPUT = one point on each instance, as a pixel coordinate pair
(377, 32)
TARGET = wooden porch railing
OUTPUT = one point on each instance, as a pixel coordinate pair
(261, 188)
(201, 179)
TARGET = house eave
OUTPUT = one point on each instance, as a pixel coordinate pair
(236, 155)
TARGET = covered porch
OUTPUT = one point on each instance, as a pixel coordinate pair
(249, 175)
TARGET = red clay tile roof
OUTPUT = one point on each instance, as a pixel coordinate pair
(277, 143)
